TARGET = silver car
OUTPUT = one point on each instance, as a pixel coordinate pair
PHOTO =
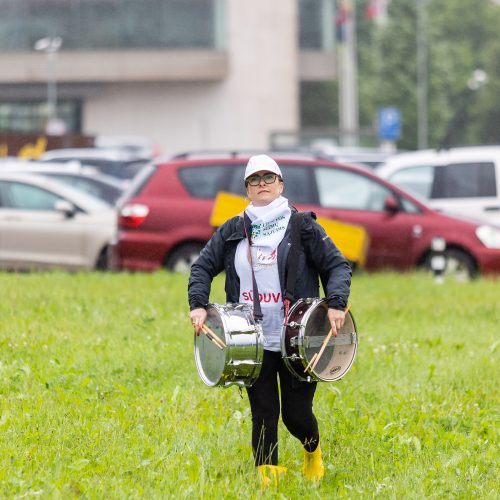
(87, 179)
(45, 224)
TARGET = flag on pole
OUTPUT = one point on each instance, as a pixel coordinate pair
(342, 17)
(376, 10)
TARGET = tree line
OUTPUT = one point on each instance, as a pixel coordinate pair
(462, 42)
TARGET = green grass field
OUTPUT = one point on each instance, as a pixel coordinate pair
(100, 398)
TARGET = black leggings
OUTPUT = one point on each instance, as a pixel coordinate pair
(296, 407)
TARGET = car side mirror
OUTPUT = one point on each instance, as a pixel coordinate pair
(391, 205)
(65, 207)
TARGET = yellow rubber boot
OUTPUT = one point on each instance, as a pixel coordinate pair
(271, 474)
(314, 469)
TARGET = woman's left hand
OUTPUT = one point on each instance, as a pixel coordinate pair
(336, 318)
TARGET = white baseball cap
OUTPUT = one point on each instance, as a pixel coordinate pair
(261, 162)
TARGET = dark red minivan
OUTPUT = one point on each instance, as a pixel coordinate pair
(164, 218)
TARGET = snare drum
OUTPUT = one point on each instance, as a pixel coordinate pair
(303, 336)
(240, 361)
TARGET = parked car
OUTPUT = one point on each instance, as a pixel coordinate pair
(116, 163)
(45, 224)
(461, 180)
(137, 145)
(108, 189)
(368, 157)
(164, 218)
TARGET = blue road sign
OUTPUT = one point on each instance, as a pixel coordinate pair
(389, 124)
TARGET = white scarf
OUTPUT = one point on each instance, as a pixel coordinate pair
(269, 224)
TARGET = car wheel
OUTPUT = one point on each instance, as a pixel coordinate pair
(458, 265)
(102, 260)
(182, 258)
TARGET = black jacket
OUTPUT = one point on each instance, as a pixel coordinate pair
(318, 259)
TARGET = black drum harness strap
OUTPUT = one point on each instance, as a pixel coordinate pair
(257, 311)
(292, 264)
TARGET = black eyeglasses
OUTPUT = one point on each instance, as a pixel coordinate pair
(254, 180)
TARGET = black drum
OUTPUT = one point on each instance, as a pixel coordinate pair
(302, 338)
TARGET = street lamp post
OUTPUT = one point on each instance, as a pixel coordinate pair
(422, 105)
(348, 76)
(50, 45)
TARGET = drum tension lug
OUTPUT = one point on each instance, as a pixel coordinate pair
(293, 325)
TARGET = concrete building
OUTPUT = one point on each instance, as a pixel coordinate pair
(187, 74)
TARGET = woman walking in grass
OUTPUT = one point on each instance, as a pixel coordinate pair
(268, 221)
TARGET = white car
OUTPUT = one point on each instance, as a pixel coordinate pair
(120, 164)
(46, 224)
(84, 178)
(463, 181)
(368, 157)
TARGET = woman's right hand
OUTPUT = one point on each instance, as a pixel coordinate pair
(198, 317)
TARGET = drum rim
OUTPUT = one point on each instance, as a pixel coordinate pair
(322, 379)
(315, 302)
(259, 336)
(199, 367)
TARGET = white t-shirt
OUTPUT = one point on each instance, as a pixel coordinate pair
(268, 283)
(269, 224)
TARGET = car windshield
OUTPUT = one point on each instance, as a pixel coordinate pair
(104, 190)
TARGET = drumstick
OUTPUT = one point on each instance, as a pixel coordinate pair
(217, 338)
(310, 362)
(213, 337)
(323, 345)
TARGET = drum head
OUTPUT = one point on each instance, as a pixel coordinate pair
(336, 358)
(210, 359)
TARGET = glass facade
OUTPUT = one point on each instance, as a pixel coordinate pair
(31, 116)
(141, 24)
(111, 24)
(127, 25)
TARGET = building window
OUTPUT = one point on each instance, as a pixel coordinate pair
(31, 116)
(111, 24)
(316, 24)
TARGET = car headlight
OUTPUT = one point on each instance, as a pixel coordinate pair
(489, 236)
